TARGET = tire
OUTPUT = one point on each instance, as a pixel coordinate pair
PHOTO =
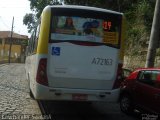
(31, 94)
(126, 104)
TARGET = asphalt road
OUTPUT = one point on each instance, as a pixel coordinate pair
(15, 99)
(86, 111)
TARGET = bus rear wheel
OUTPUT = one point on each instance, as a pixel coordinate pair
(31, 94)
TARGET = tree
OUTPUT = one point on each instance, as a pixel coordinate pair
(117, 5)
(29, 20)
(37, 6)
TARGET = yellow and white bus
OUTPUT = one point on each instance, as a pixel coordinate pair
(76, 53)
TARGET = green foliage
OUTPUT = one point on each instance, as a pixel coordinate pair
(139, 18)
(117, 5)
(112, 4)
(145, 13)
(36, 6)
(158, 52)
(29, 21)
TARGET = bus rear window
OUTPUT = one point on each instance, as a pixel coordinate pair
(76, 28)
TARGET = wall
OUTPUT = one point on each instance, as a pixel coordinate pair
(15, 51)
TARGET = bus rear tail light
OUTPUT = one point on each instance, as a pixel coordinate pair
(118, 80)
(41, 77)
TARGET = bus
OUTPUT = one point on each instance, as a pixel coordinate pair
(75, 53)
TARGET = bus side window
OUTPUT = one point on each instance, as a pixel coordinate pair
(28, 51)
(30, 44)
(34, 40)
(36, 37)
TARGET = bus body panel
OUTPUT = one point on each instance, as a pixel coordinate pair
(31, 66)
(42, 92)
(48, 93)
(77, 66)
(74, 69)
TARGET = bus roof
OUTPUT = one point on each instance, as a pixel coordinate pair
(85, 8)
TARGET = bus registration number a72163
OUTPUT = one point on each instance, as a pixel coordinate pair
(102, 61)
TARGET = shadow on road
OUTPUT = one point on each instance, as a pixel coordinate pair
(83, 111)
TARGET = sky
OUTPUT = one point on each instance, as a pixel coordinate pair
(16, 8)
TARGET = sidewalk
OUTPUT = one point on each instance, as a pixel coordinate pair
(14, 93)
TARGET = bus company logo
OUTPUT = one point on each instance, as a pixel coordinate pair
(56, 51)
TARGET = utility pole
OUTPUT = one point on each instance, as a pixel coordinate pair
(9, 59)
(154, 37)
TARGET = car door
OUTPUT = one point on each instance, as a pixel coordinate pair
(144, 90)
(157, 100)
(157, 94)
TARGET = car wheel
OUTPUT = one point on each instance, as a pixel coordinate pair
(126, 104)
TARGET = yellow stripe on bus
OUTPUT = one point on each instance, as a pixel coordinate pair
(42, 47)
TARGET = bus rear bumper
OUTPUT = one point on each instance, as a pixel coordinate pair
(67, 94)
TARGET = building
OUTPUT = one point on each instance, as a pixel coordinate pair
(18, 47)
